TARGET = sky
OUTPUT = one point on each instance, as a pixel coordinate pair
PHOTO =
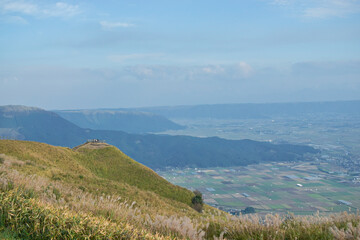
(108, 54)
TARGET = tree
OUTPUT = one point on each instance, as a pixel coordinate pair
(248, 210)
(197, 201)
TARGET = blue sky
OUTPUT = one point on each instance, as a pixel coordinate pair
(90, 54)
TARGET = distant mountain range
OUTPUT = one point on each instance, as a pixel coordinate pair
(127, 121)
(155, 151)
(253, 111)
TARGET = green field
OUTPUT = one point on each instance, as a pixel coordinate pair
(272, 187)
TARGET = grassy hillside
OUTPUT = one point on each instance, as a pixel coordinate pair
(110, 163)
(100, 184)
(97, 192)
(84, 165)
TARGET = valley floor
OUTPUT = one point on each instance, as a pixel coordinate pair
(301, 188)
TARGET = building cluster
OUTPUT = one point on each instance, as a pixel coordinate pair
(350, 162)
(95, 141)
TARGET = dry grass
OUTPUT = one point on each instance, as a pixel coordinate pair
(60, 198)
(31, 219)
(101, 171)
(253, 226)
(58, 195)
(69, 212)
(91, 145)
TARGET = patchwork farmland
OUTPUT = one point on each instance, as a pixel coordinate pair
(300, 188)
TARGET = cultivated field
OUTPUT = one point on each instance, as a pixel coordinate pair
(337, 133)
(301, 188)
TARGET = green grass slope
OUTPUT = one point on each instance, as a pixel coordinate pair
(103, 170)
(6, 234)
(110, 163)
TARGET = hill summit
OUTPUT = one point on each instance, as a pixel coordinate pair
(93, 144)
(19, 108)
(97, 162)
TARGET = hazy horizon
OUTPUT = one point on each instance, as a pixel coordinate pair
(126, 54)
(175, 106)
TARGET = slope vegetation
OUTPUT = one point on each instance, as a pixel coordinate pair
(97, 192)
(110, 163)
(91, 192)
(85, 164)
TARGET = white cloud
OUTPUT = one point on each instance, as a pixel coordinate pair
(213, 69)
(145, 85)
(233, 71)
(111, 25)
(15, 20)
(135, 56)
(200, 74)
(59, 9)
(281, 2)
(62, 9)
(19, 7)
(322, 12)
(320, 8)
(245, 68)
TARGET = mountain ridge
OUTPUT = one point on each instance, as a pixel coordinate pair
(252, 110)
(119, 120)
(155, 151)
